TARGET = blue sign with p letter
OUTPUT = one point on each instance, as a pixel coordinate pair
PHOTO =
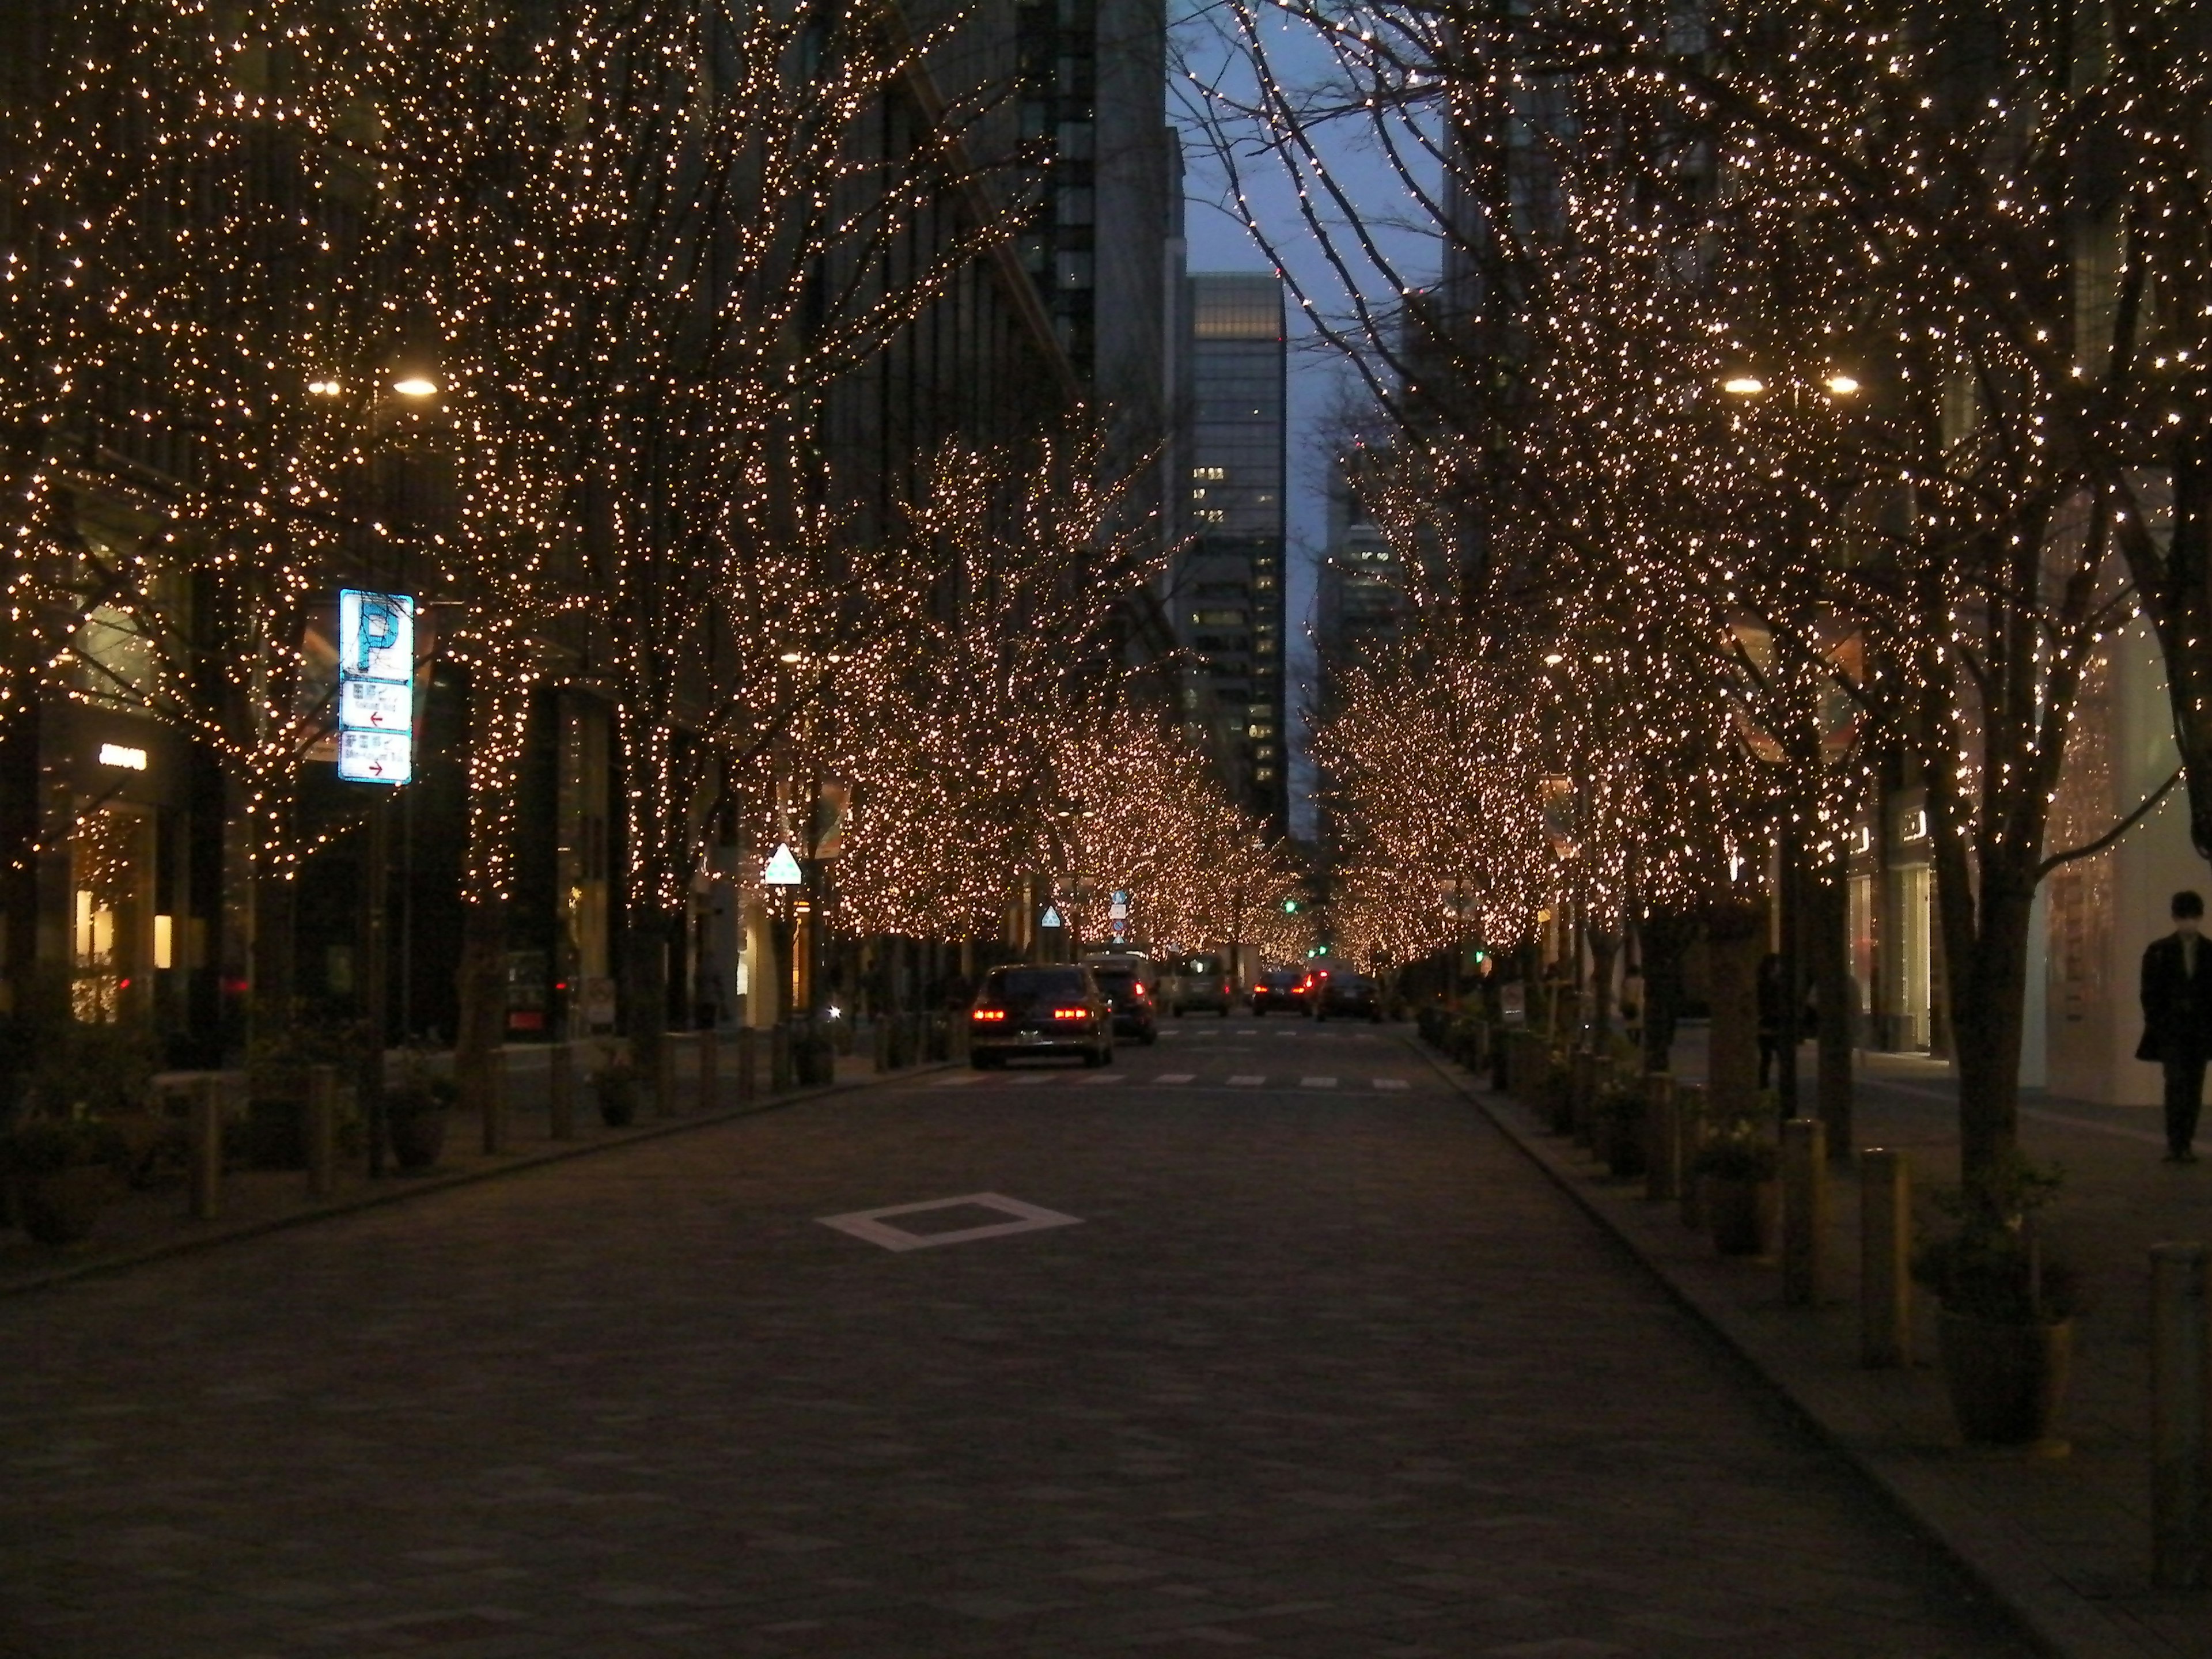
(376, 686)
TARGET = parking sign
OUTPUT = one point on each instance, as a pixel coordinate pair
(376, 686)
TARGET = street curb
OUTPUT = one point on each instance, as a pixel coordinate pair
(402, 1191)
(1999, 1560)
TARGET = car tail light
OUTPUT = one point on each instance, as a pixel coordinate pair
(988, 1014)
(1071, 1013)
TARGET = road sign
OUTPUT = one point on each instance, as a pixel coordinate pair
(1051, 918)
(376, 686)
(1119, 909)
(783, 869)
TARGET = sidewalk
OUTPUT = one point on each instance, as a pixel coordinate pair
(2063, 1542)
(138, 1226)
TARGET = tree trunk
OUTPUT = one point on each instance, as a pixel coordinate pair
(1735, 938)
(645, 999)
(1828, 911)
(1989, 988)
(271, 1010)
(1666, 940)
(1604, 949)
(482, 989)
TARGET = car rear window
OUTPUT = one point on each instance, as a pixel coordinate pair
(1114, 979)
(1037, 982)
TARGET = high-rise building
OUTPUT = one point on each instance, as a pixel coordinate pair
(1229, 588)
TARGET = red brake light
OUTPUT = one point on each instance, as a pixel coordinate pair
(1071, 1013)
(988, 1013)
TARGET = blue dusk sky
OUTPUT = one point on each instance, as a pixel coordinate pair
(1318, 379)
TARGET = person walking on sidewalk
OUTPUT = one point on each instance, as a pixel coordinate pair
(2177, 1005)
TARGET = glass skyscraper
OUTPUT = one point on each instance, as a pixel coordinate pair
(1228, 592)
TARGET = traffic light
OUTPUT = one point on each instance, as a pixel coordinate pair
(1289, 907)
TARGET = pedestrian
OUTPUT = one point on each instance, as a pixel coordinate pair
(2177, 1007)
(1772, 991)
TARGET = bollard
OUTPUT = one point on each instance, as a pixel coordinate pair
(662, 1085)
(2180, 1476)
(748, 1065)
(320, 1130)
(963, 1029)
(882, 1042)
(1885, 1259)
(779, 1059)
(1804, 1210)
(495, 1102)
(1662, 1138)
(561, 1092)
(710, 1069)
(207, 1149)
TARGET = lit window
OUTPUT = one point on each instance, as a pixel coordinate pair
(1264, 774)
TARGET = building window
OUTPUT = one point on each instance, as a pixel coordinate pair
(1264, 774)
(1216, 619)
(1210, 474)
(1256, 731)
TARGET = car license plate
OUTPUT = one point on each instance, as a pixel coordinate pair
(1035, 1036)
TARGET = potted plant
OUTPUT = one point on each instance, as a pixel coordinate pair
(416, 1112)
(1738, 1189)
(2005, 1330)
(60, 1172)
(614, 1084)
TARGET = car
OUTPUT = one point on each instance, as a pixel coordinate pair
(1352, 995)
(1040, 1011)
(1279, 987)
(1205, 982)
(1127, 982)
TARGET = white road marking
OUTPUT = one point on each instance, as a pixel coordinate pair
(870, 1224)
(1105, 1077)
(1035, 1078)
(1317, 1082)
(1176, 1077)
(955, 1081)
(1246, 1080)
(1389, 1082)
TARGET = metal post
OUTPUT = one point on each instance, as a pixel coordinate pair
(1662, 1138)
(882, 1042)
(561, 1092)
(207, 1148)
(1885, 1258)
(779, 1058)
(373, 975)
(1804, 1210)
(2180, 1381)
(1690, 1120)
(710, 1069)
(322, 1130)
(1793, 982)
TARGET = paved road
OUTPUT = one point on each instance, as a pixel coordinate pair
(1323, 1368)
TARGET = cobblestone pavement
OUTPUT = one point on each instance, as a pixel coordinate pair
(1326, 1369)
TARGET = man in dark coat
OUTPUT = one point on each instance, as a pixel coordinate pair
(2176, 1005)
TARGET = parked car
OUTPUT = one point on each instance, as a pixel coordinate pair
(1127, 982)
(1351, 995)
(1040, 1011)
(1205, 982)
(1280, 988)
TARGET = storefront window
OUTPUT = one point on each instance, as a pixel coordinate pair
(112, 913)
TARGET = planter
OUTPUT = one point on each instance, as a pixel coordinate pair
(61, 1206)
(418, 1138)
(1743, 1214)
(2007, 1380)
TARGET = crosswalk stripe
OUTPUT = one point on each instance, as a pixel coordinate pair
(1389, 1082)
(1317, 1082)
(1176, 1077)
(1105, 1077)
(1036, 1077)
(1246, 1080)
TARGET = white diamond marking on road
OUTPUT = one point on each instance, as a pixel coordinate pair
(1176, 1077)
(870, 1224)
(1389, 1082)
(1246, 1080)
(1317, 1082)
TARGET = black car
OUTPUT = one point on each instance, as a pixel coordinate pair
(1126, 983)
(1280, 988)
(1352, 995)
(1040, 1011)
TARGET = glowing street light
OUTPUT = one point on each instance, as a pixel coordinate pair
(1743, 386)
(416, 385)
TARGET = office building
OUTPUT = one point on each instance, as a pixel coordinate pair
(1228, 592)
